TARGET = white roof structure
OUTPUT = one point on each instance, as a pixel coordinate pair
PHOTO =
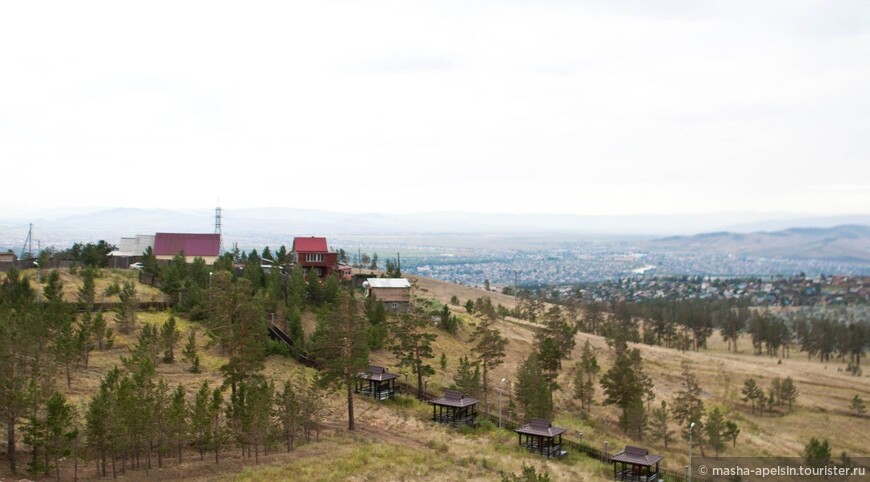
(134, 246)
(388, 283)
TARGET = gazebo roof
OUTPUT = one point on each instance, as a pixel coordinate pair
(453, 398)
(540, 427)
(378, 374)
(636, 456)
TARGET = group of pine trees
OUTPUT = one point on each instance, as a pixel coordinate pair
(42, 337)
(134, 419)
(781, 394)
(688, 325)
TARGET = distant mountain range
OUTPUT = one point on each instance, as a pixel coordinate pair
(275, 226)
(847, 243)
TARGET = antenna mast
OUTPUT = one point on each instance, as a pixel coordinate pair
(217, 227)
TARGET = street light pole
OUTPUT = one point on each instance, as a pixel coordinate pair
(689, 475)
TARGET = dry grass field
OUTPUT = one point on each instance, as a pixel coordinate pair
(395, 441)
(822, 408)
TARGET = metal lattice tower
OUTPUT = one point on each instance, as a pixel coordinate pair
(217, 226)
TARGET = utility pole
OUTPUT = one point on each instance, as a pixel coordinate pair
(28, 242)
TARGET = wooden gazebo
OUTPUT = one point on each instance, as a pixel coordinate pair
(454, 408)
(377, 383)
(636, 465)
(539, 435)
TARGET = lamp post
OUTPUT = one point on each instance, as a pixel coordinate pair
(689, 467)
(500, 390)
(38, 283)
(209, 278)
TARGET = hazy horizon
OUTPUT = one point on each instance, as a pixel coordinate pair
(248, 223)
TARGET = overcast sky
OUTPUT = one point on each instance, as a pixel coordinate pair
(538, 106)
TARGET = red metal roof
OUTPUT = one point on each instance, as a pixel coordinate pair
(310, 245)
(170, 244)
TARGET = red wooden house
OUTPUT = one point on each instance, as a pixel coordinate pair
(313, 255)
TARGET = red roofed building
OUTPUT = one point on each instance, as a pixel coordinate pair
(205, 246)
(313, 254)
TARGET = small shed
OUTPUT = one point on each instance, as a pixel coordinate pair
(8, 257)
(635, 464)
(539, 435)
(377, 383)
(454, 408)
(394, 293)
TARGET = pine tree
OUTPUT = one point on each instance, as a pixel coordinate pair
(660, 424)
(98, 330)
(340, 345)
(627, 386)
(788, 392)
(54, 287)
(66, 351)
(314, 289)
(489, 347)
(201, 419)
(716, 431)
(295, 332)
(858, 406)
(100, 420)
(296, 292)
(169, 336)
(246, 340)
(752, 393)
(688, 408)
(149, 262)
(411, 344)
(60, 430)
(287, 412)
(88, 290)
(533, 392)
(188, 354)
(467, 378)
(585, 377)
(731, 432)
(217, 429)
(23, 336)
(817, 453)
(177, 422)
(549, 359)
(125, 316)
